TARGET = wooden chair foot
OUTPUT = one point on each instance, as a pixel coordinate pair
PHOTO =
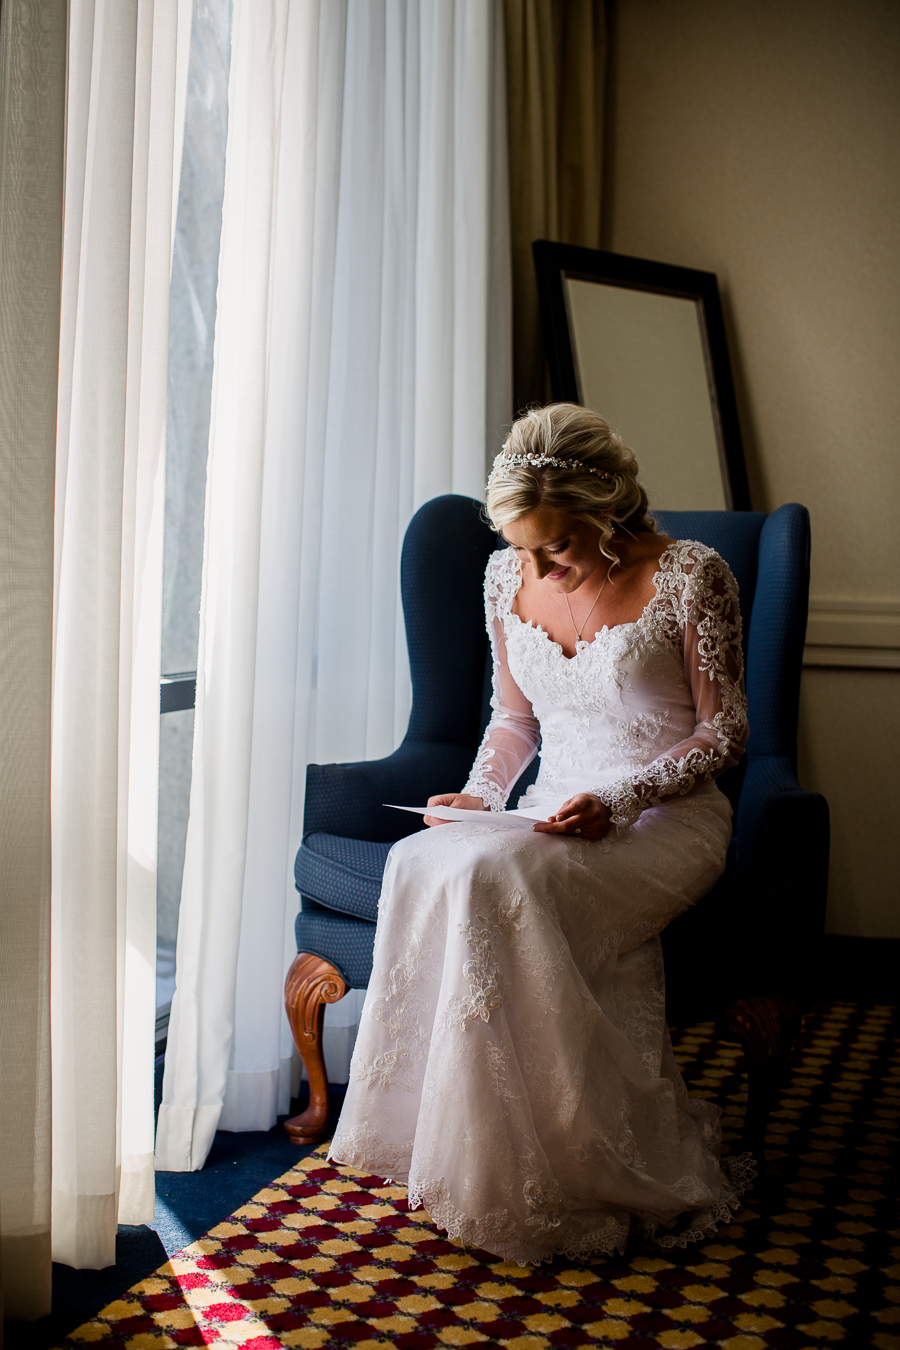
(765, 1026)
(311, 983)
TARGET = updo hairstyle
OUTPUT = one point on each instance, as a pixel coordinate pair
(605, 492)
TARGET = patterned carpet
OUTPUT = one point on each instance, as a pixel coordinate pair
(325, 1257)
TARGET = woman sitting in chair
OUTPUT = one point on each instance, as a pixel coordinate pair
(513, 1062)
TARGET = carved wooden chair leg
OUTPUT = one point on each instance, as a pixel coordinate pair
(765, 1026)
(311, 983)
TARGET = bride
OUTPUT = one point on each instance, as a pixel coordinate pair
(513, 1063)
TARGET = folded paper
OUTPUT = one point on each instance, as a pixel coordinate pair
(506, 819)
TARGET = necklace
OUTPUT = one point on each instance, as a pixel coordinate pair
(579, 631)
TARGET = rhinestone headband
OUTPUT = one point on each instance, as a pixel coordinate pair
(506, 462)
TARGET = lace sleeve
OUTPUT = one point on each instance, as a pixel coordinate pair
(705, 603)
(512, 735)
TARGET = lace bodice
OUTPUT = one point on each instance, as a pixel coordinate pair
(646, 710)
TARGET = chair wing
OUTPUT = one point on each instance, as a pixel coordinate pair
(445, 552)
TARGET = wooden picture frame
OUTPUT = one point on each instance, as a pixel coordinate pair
(644, 344)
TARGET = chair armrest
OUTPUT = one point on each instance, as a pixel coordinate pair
(347, 799)
(783, 841)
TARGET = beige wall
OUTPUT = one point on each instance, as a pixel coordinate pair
(760, 139)
(865, 855)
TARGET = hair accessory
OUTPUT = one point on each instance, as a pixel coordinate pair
(505, 462)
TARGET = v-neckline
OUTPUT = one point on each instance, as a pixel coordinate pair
(583, 643)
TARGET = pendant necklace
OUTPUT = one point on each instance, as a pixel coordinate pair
(579, 631)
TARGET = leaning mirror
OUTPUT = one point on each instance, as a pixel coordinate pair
(643, 343)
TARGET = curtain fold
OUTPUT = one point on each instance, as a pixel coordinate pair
(362, 365)
(122, 151)
(32, 122)
(555, 71)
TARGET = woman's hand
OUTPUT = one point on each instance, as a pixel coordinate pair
(457, 799)
(583, 814)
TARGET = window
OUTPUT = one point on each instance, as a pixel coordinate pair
(192, 317)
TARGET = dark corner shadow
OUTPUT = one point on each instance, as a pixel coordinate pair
(188, 1205)
(749, 434)
(78, 1295)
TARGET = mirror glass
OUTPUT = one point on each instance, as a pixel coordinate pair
(640, 361)
(643, 343)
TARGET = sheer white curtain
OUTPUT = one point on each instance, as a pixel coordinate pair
(32, 122)
(126, 69)
(361, 367)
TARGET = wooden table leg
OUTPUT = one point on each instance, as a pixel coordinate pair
(765, 1026)
(311, 983)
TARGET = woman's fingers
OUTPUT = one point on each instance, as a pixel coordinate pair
(571, 825)
(583, 815)
(570, 812)
(567, 820)
(442, 799)
(452, 799)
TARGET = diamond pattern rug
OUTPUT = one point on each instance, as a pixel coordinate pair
(327, 1257)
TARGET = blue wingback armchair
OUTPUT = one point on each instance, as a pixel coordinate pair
(745, 955)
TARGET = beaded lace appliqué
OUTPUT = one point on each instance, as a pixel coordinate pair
(693, 586)
(486, 780)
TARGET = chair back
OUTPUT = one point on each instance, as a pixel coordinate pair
(445, 552)
(769, 556)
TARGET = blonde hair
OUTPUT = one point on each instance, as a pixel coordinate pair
(601, 486)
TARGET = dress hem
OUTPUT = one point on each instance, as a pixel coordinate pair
(609, 1238)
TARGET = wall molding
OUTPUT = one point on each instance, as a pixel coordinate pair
(853, 633)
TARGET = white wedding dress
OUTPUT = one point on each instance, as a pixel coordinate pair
(513, 1063)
